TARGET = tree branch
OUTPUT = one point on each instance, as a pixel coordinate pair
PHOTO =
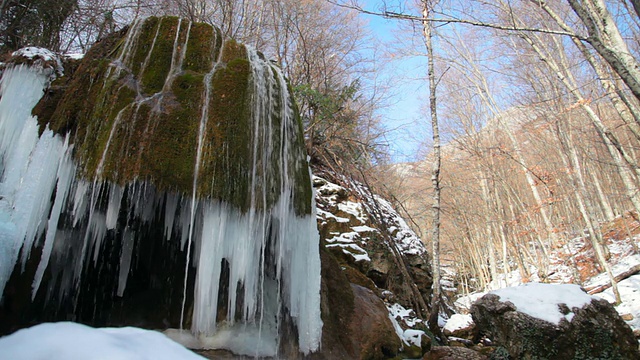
(408, 17)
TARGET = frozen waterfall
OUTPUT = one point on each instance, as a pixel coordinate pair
(90, 247)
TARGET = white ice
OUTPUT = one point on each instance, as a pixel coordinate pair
(28, 166)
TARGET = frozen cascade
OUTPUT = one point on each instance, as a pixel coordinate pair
(252, 272)
(28, 166)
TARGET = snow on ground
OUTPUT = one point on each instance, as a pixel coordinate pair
(623, 265)
(40, 57)
(457, 322)
(72, 341)
(33, 52)
(630, 293)
(541, 300)
(463, 303)
(330, 197)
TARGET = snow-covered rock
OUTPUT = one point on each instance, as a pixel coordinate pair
(459, 325)
(553, 321)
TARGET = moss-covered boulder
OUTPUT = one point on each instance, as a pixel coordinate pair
(166, 101)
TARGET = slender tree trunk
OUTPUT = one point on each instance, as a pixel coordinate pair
(627, 112)
(574, 172)
(604, 202)
(617, 152)
(427, 5)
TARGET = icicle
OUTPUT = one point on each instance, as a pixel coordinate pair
(204, 116)
(28, 166)
(66, 172)
(171, 206)
(113, 208)
(128, 241)
(270, 250)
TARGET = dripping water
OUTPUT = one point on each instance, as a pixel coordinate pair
(204, 116)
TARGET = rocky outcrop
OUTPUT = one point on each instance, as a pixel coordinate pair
(594, 331)
(370, 245)
(373, 335)
(373, 243)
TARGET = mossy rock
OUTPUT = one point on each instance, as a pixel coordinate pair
(146, 91)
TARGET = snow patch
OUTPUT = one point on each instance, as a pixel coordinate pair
(630, 294)
(409, 337)
(71, 341)
(458, 322)
(541, 300)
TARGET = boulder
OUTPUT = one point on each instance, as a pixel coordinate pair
(592, 331)
(373, 335)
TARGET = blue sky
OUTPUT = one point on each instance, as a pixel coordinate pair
(403, 117)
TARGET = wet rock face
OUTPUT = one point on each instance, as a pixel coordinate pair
(596, 331)
(362, 281)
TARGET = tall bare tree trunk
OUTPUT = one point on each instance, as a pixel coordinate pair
(624, 163)
(574, 172)
(606, 39)
(427, 6)
(627, 112)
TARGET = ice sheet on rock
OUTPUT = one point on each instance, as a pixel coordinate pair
(71, 341)
(541, 300)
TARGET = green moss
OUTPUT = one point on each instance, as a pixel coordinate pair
(226, 155)
(203, 48)
(232, 50)
(599, 345)
(155, 73)
(143, 44)
(154, 137)
(169, 158)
